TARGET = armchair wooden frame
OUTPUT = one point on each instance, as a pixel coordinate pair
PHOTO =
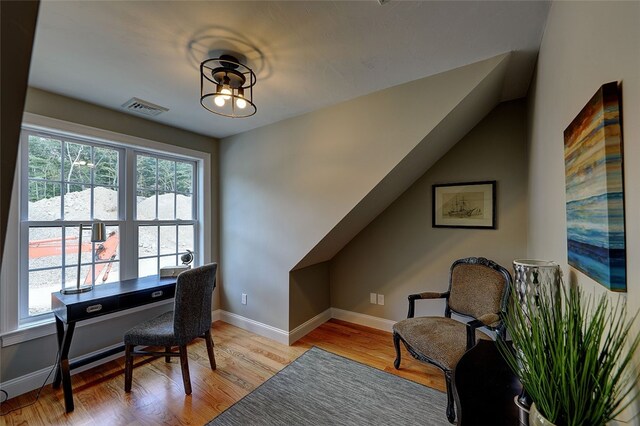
(492, 321)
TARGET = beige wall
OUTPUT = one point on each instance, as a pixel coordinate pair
(585, 45)
(30, 356)
(308, 293)
(287, 185)
(399, 253)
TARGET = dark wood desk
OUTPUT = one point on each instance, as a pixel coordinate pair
(102, 300)
(485, 387)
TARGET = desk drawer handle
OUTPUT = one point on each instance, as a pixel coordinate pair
(94, 308)
(156, 293)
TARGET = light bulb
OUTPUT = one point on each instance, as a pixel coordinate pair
(240, 102)
(218, 100)
(226, 91)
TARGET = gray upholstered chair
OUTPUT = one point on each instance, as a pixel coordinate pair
(479, 290)
(190, 319)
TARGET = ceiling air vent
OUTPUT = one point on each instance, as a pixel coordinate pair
(143, 107)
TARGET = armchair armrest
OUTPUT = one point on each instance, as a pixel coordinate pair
(484, 320)
(426, 295)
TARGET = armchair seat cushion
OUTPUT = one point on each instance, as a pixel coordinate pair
(157, 331)
(443, 339)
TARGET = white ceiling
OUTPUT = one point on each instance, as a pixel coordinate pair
(307, 55)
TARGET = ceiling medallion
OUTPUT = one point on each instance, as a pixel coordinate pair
(226, 86)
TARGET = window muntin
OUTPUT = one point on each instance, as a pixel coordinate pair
(77, 181)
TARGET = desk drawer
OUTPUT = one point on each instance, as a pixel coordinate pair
(146, 296)
(91, 309)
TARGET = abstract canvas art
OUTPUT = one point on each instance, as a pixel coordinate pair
(595, 192)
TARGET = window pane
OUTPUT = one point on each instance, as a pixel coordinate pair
(41, 285)
(168, 261)
(44, 200)
(71, 246)
(146, 207)
(184, 177)
(45, 247)
(147, 241)
(70, 276)
(146, 172)
(184, 207)
(107, 272)
(106, 166)
(77, 163)
(105, 203)
(77, 202)
(185, 238)
(166, 206)
(45, 157)
(109, 249)
(148, 267)
(167, 239)
(166, 175)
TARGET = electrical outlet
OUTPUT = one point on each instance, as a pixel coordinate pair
(373, 298)
(244, 298)
(381, 299)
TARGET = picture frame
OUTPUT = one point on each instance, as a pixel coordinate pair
(464, 205)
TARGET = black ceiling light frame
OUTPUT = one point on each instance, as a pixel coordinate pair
(226, 87)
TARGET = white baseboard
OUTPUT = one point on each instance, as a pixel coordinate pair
(307, 327)
(362, 319)
(268, 331)
(34, 380)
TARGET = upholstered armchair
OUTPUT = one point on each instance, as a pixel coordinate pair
(479, 291)
(190, 319)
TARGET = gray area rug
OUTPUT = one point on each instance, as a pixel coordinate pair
(320, 388)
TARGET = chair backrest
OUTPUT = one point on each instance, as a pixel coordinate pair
(192, 305)
(478, 286)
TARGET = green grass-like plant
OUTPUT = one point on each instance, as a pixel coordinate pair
(573, 355)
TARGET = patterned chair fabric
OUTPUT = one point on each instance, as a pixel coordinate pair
(190, 319)
(479, 290)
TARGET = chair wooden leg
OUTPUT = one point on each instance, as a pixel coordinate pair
(184, 363)
(451, 412)
(167, 358)
(396, 344)
(128, 367)
(212, 356)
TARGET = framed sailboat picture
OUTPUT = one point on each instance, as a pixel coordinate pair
(464, 205)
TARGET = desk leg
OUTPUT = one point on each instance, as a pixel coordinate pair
(60, 333)
(65, 371)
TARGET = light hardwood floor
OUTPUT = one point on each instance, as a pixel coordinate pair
(245, 360)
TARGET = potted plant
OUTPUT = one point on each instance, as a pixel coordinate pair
(573, 355)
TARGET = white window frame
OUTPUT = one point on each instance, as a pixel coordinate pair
(26, 224)
(163, 222)
(12, 330)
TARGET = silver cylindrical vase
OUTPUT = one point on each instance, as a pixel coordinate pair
(530, 274)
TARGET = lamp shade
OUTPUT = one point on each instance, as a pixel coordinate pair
(98, 232)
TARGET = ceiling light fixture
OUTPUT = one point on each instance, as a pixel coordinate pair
(226, 86)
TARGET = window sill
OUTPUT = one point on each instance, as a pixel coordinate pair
(47, 327)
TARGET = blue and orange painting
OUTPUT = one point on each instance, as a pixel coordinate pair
(595, 191)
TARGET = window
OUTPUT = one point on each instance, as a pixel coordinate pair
(68, 183)
(164, 211)
(151, 216)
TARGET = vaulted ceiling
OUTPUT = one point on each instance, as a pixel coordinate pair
(307, 55)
